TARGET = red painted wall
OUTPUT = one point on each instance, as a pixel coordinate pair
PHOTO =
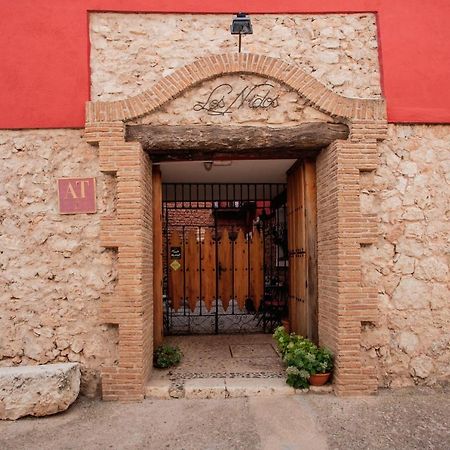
(44, 45)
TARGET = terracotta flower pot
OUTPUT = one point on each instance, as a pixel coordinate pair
(319, 379)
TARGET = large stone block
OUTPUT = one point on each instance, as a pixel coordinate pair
(38, 390)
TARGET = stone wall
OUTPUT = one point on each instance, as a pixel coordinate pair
(130, 52)
(410, 343)
(52, 268)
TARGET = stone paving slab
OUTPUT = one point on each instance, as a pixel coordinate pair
(205, 388)
(158, 389)
(210, 388)
(259, 387)
(260, 350)
(224, 366)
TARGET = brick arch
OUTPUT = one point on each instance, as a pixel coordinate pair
(346, 303)
(209, 67)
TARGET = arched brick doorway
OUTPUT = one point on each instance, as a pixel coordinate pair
(344, 303)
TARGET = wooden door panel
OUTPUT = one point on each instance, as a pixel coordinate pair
(311, 245)
(290, 225)
(241, 269)
(157, 257)
(225, 276)
(208, 267)
(176, 272)
(302, 244)
(192, 269)
(300, 256)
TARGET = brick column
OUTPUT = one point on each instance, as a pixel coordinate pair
(344, 304)
(129, 230)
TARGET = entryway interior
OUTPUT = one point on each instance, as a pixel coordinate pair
(223, 356)
(238, 251)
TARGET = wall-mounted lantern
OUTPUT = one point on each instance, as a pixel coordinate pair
(240, 25)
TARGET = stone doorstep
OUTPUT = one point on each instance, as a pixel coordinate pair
(38, 390)
(206, 388)
(158, 389)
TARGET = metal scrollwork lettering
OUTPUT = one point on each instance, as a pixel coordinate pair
(223, 99)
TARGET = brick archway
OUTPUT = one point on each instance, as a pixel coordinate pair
(344, 303)
(213, 66)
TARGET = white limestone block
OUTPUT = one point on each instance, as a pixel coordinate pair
(38, 390)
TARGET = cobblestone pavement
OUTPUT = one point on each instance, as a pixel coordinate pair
(403, 419)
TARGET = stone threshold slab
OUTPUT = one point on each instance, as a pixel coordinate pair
(209, 388)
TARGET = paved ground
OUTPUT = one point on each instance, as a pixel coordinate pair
(224, 356)
(407, 419)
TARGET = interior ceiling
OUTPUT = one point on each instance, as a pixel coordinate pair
(240, 171)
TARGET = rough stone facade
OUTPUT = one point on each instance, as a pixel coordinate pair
(409, 265)
(52, 267)
(130, 52)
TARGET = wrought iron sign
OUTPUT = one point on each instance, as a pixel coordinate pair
(224, 99)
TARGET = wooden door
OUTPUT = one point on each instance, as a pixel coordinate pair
(157, 257)
(225, 268)
(240, 267)
(208, 270)
(192, 268)
(176, 270)
(302, 245)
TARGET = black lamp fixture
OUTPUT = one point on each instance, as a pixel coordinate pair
(240, 25)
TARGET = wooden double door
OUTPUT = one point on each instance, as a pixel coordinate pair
(302, 249)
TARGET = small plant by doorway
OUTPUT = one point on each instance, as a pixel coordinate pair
(306, 362)
(166, 356)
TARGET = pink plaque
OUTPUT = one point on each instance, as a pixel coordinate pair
(76, 195)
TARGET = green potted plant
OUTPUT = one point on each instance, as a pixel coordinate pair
(306, 362)
(166, 356)
(321, 367)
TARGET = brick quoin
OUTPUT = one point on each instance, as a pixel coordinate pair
(345, 305)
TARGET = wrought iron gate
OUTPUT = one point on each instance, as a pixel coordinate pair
(220, 255)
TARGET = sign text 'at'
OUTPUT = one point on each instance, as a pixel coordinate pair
(76, 195)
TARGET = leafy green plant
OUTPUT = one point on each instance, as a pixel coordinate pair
(282, 339)
(324, 361)
(297, 378)
(302, 357)
(167, 356)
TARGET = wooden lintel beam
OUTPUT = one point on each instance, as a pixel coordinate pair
(200, 142)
